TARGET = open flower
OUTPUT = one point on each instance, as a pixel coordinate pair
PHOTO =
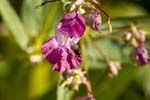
(63, 57)
(73, 24)
(58, 49)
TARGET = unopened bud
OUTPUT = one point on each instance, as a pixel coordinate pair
(139, 55)
(129, 38)
(134, 42)
(141, 36)
(94, 21)
(138, 34)
(126, 37)
(113, 68)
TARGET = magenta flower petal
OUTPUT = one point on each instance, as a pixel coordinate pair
(50, 50)
(73, 24)
(64, 40)
(62, 57)
(69, 60)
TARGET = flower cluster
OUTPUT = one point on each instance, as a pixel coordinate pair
(136, 38)
(63, 52)
(139, 54)
(62, 49)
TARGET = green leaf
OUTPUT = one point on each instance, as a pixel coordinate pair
(64, 94)
(41, 80)
(106, 88)
(14, 24)
(113, 49)
(32, 18)
(125, 9)
(143, 79)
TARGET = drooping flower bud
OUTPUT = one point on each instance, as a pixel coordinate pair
(135, 38)
(139, 55)
(113, 68)
(141, 36)
(94, 21)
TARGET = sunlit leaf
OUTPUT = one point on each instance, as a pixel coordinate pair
(13, 22)
(64, 94)
(32, 17)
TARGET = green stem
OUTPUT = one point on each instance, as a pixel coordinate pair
(83, 54)
(100, 51)
(115, 37)
(48, 1)
(46, 26)
(89, 89)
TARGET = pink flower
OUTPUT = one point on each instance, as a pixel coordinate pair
(61, 55)
(62, 50)
(73, 24)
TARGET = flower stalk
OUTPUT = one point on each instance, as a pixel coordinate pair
(100, 51)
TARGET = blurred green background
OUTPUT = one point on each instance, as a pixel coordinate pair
(25, 75)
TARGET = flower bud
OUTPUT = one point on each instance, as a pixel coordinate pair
(138, 34)
(141, 36)
(126, 37)
(113, 68)
(139, 55)
(94, 21)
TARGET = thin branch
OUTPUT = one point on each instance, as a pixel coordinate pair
(89, 89)
(48, 1)
(100, 51)
(83, 50)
